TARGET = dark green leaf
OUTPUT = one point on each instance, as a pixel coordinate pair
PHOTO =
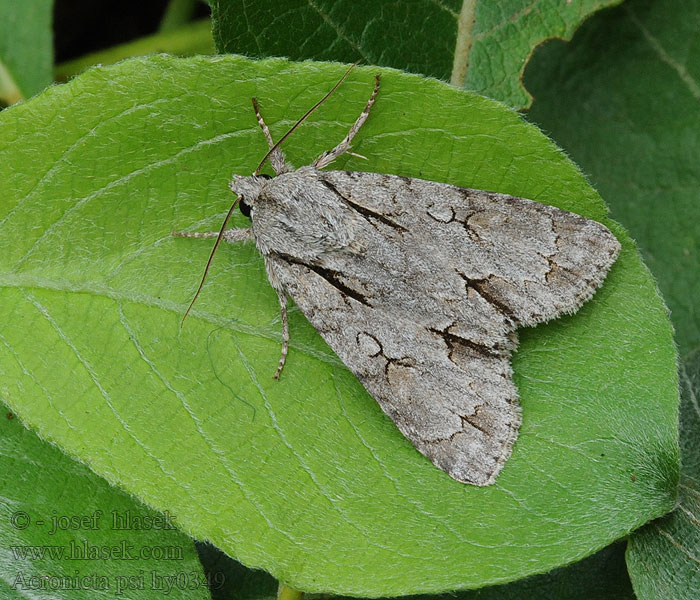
(664, 556)
(482, 46)
(623, 99)
(230, 579)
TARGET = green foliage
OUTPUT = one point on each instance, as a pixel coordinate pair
(53, 505)
(624, 100)
(191, 420)
(602, 576)
(663, 556)
(92, 286)
(482, 46)
(185, 40)
(26, 52)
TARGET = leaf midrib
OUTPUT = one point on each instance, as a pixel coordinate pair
(463, 42)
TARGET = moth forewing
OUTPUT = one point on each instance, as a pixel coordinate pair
(419, 287)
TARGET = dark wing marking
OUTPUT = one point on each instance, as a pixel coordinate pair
(536, 261)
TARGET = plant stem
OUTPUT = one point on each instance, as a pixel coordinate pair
(177, 14)
(9, 91)
(284, 592)
(194, 38)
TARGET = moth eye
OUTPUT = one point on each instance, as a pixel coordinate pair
(265, 176)
(245, 209)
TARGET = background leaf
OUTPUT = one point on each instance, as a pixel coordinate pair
(44, 493)
(623, 99)
(186, 40)
(483, 46)
(192, 421)
(26, 51)
(238, 581)
(664, 556)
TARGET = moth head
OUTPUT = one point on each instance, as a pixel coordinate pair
(248, 190)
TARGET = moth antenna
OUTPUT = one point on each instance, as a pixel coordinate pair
(300, 121)
(211, 257)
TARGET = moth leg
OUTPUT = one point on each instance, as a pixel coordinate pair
(285, 332)
(277, 158)
(235, 235)
(328, 157)
(273, 277)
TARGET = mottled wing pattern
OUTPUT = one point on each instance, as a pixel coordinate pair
(535, 261)
(425, 312)
(442, 393)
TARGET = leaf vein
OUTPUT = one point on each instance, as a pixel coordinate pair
(679, 68)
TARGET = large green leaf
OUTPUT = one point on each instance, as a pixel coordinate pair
(602, 576)
(26, 48)
(67, 534)
(305, 476)
(623, 99)
(483, 46)
(664, 556)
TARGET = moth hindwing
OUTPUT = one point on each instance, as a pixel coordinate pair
(419, 288)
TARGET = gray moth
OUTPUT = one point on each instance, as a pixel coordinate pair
(419, 288)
